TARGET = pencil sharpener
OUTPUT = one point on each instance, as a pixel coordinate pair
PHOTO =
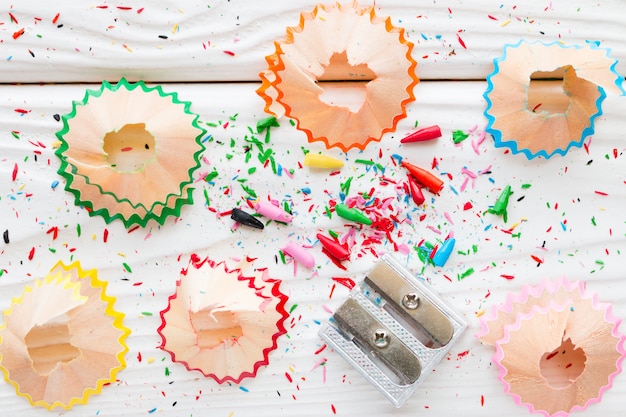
(393, 330)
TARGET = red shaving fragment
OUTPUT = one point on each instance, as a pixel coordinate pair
(467, 206)
(137, 284)
(433, 252)
(537, 259)
(461, 41)
(14, 174)
(56, 18)
(346, 282)
(615, 153)
(492, 17)
(139, 10)
(31, 254)
(434, 164)
(105, 235)
(462, 354)
(231, 53)
(55, 232)
(321, 349)
(332, 407)
(126, 149)
(22, 111)
(138, 356)
(13, 19)
(552, 355)
(509, 277)
(124, 7)
(600, 192)
(482, 400)
(104, 6)
(288, 377)
(335, 261)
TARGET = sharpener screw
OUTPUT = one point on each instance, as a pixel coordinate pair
(381, 338)
(411, 301)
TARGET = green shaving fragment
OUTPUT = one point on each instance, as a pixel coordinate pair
(499, 208)
(345, 186)
(249, 191)
(465, 274)
(211, 176)
(459, 136)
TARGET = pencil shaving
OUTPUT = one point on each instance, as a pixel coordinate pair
(557, 347)
(128, 152)
(223, 322)
(341, 43)
(61, 340)
(543, 99)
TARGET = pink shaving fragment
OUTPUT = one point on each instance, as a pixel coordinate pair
(434, 229)
(404, 249)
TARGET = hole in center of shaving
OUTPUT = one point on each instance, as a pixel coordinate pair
(215, 327)
(48, 345)
(546, 92)
(129, 149)
(343, 84)
(563, 366)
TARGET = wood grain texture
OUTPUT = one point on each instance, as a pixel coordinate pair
(562, 195)
(228, 40)
(572, 216)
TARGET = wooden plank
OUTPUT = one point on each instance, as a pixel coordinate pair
(576, 231)
(228, 40)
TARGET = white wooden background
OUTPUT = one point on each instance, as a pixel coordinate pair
(204, 50)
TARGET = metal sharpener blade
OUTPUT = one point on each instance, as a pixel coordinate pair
(393, 330)
(381, 343)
